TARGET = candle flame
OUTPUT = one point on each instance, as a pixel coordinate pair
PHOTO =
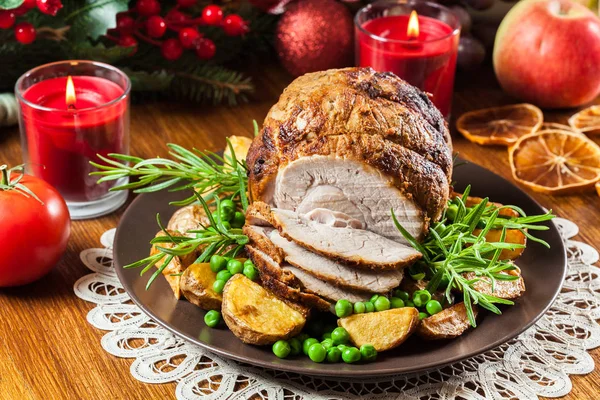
(413, 25)
(70, 94)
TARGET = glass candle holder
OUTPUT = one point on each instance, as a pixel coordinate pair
(416, 40)
(69, 113)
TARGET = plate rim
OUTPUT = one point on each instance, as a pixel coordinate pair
(341, 373)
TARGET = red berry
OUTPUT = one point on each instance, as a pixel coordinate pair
(24, 33)
(176, 16)
(205, 49)
(23, 8)
(125, 23)
(147, 7)
(7, 19)
(171, 49)
(212, 15)
(186, 3)
(188, 37)
(49, 7)
(156, 26)
(234, 25)
(127, 41)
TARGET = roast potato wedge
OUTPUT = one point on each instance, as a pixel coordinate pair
(473, 201)
(240, 144)
(384, 330)
(188, 218)
(196, 286)
(177, 265)
(447, 324)
(503, 289)
(257, 316)
(512, 236)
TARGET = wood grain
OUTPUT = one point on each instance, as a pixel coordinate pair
(47, 348)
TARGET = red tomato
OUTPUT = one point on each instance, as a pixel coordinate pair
(33, 236)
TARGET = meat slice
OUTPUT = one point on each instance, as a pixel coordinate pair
(351, 187)
(259, 238)
(325, 289)
(353, 246)
(335, 272)
(283, 283)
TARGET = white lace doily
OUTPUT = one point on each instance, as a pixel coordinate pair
(537, 363)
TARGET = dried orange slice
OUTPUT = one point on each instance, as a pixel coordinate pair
(598, 188)
(557, 126)
(587, 121)
(555, 162)
(500, 125)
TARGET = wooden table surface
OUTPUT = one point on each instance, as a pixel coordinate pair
(47, 348)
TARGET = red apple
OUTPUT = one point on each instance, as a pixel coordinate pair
(547, 52)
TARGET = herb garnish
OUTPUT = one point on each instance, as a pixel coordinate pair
(451, 249)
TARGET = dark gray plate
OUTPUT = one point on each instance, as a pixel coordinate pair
(543, 270)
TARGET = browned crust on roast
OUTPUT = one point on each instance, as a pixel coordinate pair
(259, 214)
(263, 243)
(363, 115)
(447, 324)
(266, 269)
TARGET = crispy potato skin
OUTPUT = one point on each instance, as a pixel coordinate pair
(177, 265)
(196, 286)
(447, 324)
(503, 289)
(512, 236)
(188, 218)
(255, 315)
(384, 330)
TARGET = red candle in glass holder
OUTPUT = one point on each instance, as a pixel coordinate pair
(420, 49)
(66, 121)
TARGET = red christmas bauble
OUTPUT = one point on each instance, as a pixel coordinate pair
(315, 35)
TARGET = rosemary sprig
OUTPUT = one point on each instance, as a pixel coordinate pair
(451, 250)
(207, 173)
(214, 239)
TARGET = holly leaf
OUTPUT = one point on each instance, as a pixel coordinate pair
(10, 4)
(90, 19)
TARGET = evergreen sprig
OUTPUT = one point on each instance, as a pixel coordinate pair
(452, 249)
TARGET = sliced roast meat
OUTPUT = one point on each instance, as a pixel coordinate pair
(283, 283)
(325, 289)
(259, 214)
(359, 190)
(259, 238)
(336, 219)
(335, 272)
(353, 246)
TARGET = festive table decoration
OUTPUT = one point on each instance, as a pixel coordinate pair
(314, 35)
(418, 41)
(72, 111)
(537, 363)
(587, 121)
(173, 47)
(547, 52)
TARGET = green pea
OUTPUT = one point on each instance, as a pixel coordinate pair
(382, 303)
(326, 335)
(421, 297)
(282, 348)
(368, 353)
(248, 262)
(351, 355)
(423, 315)
(359, 307)
(212, 318)
(295, 346)
(333, 355)
(227, 225)
(433, 307)
(317, 353)
(235, 267)
(307, 343)
(219, 285)
(343, 308)
(396, 302)
(223, 275)
(340, 336)
(238, 220)
(217, 263)
(452, 211)
(251, 272)
(401, 294)
(302, 337)
(409, 303)
(227, 205)
(226, 216)
(373, 298)
(444, 282)
(369, 307)
(341, 347)
(327, 343)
